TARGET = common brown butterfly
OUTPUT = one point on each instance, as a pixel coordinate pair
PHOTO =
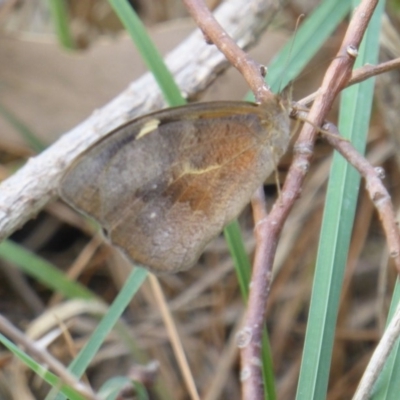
(165, 184)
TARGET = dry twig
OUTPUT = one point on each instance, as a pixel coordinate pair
(379, 358)
(26, 192)
(252, 72)
(336, 78)
(269, 227)
(42, 355)
(176, 343)
(377, 191)
(359, 75)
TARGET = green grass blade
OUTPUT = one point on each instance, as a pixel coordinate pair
(148, 51)
(45, 374)
(307, 41)
(141, 391)
(59, 14)
(309, 38)
(336, 230)
(113, 387)
(30, 138)
(387, 385)
(173, 97)
(241, 261)
(326, 18)
(311, 35)
(43, 271)
(87, 353)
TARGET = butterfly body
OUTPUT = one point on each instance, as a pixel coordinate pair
(163, 185)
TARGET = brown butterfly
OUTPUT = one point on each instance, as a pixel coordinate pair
(165, 184)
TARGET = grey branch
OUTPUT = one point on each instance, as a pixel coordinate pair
(194, 65)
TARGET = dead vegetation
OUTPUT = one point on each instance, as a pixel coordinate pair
(51, 91)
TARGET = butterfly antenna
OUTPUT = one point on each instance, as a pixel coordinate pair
(299, 18)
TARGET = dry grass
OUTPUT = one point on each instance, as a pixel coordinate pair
(205, 302)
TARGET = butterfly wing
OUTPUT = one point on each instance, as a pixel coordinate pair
(164, 185)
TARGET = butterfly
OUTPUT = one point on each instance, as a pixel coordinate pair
(163, 185)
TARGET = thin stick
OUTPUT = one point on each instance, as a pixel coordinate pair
(379, 358)
(335, 80)
(252, 71)
(174, 337)
(268, 228)
(34, 185)
(20, 338)
(252, 382)
(377, 191)
(359, 75)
